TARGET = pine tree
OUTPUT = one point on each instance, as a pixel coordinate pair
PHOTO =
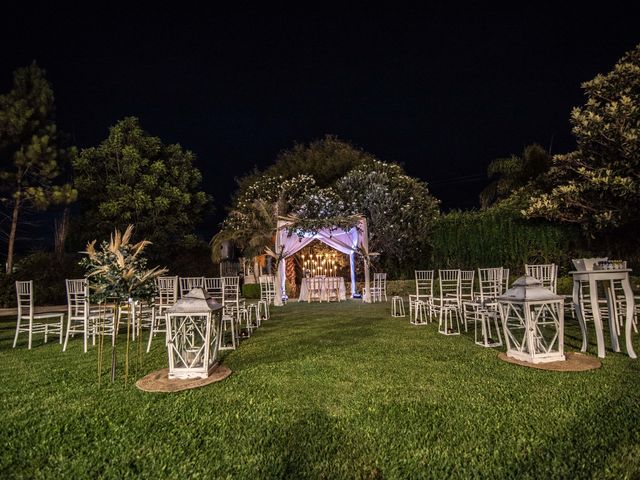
(29, 153)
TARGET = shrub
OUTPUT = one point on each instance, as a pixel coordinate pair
(190, 257)
(499, 236)
(48, 275)
(251, 290)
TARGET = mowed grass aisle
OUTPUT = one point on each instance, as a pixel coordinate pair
(322, 391)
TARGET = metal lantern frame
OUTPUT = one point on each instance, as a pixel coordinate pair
(533, 322)
(193, 326)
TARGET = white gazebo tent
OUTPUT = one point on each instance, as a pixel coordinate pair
(351, 241)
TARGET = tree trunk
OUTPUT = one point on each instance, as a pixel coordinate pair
(290, 269)
(61, 232)
(12, 233)
(256, 269)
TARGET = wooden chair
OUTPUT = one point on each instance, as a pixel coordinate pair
(213, 286)
(504, 285)
(449, 302)
(332, 286)
(234, 306)
(490, 283)
(483, 308)
(167, 296)
(82, 318)
(466, 285)
(189, 283)
(424, 293)
(315, 290)
(267, 288)
(379, 289)
(546, 273)
(29, 321)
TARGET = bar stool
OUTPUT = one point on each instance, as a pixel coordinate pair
(445, 324)
(397, 306)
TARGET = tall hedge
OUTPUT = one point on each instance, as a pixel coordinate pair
(500, 236)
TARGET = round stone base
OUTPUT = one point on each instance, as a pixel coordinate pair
(159, 381)
(575, 362)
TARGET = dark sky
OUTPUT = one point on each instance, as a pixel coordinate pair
(441, 90)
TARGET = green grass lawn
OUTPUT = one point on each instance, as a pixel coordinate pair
(322, 391)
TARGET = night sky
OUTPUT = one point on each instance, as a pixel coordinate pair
(442, 91)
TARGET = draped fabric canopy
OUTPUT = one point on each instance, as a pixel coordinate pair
(352, 241)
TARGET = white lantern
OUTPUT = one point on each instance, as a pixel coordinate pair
(533, 322)
(193, 326)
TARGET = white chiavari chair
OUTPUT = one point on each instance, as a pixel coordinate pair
(424, 294)
(166, 297)
(30, 322)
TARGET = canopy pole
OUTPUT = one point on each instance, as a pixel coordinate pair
(277, 301)
(366, 297)
(367, 294)
(352, 264)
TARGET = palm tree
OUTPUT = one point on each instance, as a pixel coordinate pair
(252, 231)
(514, 172)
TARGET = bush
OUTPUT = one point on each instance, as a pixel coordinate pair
(499, 236)
(394, 287)
(251, 290)
(48, 275)
(190, 257)
(565, 285)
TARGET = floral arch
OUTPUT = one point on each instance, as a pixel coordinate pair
(350, 237)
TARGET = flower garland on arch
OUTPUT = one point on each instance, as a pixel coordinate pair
(302, 226)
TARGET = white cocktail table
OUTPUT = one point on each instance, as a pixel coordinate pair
(592, 277)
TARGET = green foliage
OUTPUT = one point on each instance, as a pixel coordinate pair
(48, 274)
(251, 290)
(30, 155)
(499, 236)
(252, 221)
(132, 177)
(514, 173)
(322, 391)
(598, 185)
(326, 160)
(564, 285)
(190, 258)
(117, 270)
(399, 209)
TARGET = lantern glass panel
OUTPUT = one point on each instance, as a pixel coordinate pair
(544, 327)
(188, 340)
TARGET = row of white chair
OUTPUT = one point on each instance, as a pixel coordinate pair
(321, 288)
(379, 288)
(92, 320)
(458, 303)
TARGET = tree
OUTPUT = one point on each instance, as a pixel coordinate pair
(598, 184)
(29, 152)
(326, 160)
(252, 220)
(66, 195)
(514, 172)
(132, 177)
(400, 210)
